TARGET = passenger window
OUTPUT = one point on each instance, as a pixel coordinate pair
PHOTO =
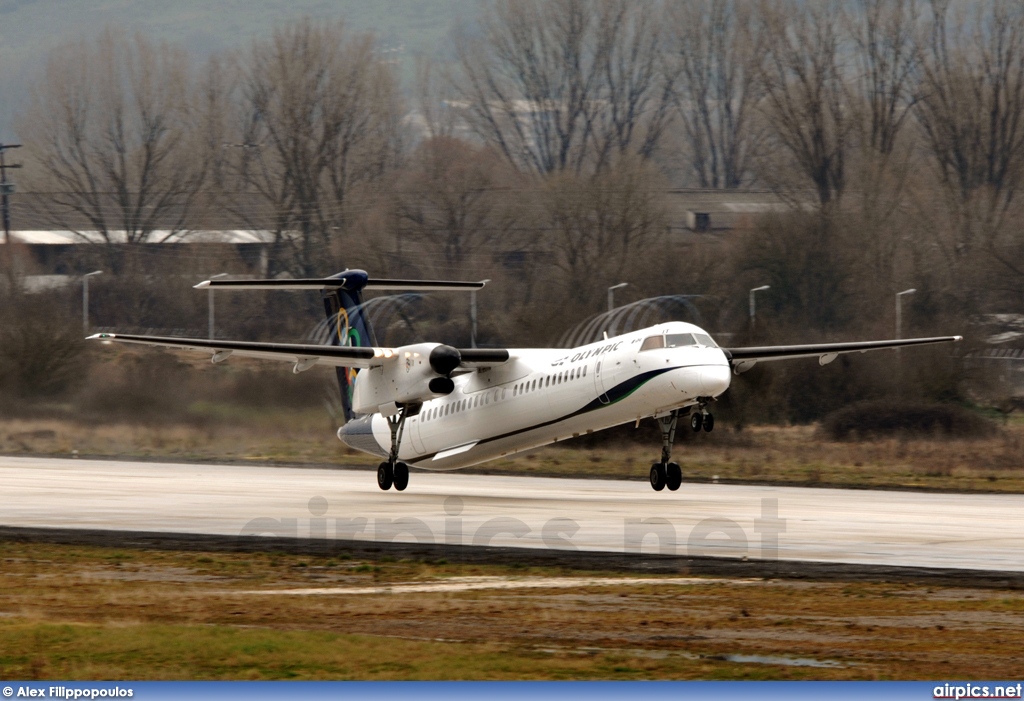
(652, 342)
(677, 340)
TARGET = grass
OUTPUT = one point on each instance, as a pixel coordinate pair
(74, 612)
(794, 455)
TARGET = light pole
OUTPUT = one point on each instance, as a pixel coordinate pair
(753, 307)
(899, 311)
(472, 316)
(85, 300)
(6, 189)
(611, 294)
(210, 298)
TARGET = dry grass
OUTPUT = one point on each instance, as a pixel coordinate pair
(780, 455)
(88, 613)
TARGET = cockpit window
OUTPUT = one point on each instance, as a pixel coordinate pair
(652, 342)
(705, 340)
(675, 340)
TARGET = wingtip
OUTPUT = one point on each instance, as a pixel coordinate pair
(202, 285)
(99, 336)
(957, 339)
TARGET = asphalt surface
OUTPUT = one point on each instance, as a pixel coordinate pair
(450, 511)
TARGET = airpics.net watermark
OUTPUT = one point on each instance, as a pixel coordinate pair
(709, 537)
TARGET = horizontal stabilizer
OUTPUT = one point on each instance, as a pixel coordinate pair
(341, 283)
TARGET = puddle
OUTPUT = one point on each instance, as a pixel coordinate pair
(769, 659)
(664, 654)
(457, 584)
(149, 574)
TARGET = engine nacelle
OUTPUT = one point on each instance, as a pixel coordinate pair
(415, 374)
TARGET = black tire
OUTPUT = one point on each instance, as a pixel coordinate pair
(673, 476)
(709, 422)
(696, 421)
(658, 476)
(401, 476)
(385, 476)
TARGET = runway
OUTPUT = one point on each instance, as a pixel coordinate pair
(856, 527)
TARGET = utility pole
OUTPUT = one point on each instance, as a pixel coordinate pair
(6, 189)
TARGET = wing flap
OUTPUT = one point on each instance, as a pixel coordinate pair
(303, 356)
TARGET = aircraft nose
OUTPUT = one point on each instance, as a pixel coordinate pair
(714, 379)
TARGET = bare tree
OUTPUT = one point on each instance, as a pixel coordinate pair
(565, 85)
(455, 201)
(805, 92)
(883, 32)
(598, 226)
(108, 134)
(972, 115)
(434, 99)
(636, 102)
(320, 120)
(882, 89)
(713, 54)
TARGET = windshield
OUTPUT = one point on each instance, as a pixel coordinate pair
(677, 340)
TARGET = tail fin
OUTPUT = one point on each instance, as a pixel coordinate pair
(349, 326)
(343, 302)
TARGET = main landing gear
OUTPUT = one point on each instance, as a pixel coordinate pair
(393, 472)
(667, 473)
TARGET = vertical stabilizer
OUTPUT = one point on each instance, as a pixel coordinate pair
(349, 326)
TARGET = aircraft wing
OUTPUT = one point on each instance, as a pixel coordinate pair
(742, 359)
(302, 355)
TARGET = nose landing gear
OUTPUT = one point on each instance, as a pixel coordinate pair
(702, 419)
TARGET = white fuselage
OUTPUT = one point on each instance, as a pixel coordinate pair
(546, 395)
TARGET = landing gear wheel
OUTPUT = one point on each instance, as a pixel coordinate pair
(401, 476)
(658, 476)
(709, 422)
(385, 476)
(673, 476)
(696, 421)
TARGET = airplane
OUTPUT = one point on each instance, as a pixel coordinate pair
(437, 407)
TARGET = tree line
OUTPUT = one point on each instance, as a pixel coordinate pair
(541, 155)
